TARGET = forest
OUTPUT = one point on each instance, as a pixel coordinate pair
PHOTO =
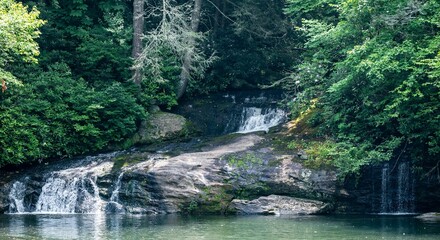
(79, 76)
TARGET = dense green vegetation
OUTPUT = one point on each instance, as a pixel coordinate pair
(67, 66)
(371, 69)
(365, 72)
(74, 101)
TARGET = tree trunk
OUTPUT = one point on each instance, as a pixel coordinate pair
(185, 73)
(138, 29)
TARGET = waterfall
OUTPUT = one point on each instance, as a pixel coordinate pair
(384, 200)
(405, 189)
(397, 190)
(115, 194)
(69, 195)
(71, 190)
(113, 205)
(16, 197)
(258, 119)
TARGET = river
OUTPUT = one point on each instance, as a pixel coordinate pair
(95, 226)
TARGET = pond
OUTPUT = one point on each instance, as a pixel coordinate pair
(80, 226)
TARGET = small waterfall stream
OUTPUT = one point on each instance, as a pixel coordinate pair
(397, 192)
(235, 112)
(406, 189)
(69, 195)
(16, 197)
(259, 119)
(385, 204)
(113, 205)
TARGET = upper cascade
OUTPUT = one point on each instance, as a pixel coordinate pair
(260, 119)
(235, 111)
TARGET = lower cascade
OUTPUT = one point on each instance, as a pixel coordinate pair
(72, 190)
(60, 194)
(397, 190)
(69, 195)
(113, 205)
(16, 197)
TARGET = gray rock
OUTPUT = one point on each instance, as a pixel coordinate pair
(4, 204)
(432, 216)
(205, 180)
(278, 205)
(162, 126)
(170, 185)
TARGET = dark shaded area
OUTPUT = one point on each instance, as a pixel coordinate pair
(389, 188)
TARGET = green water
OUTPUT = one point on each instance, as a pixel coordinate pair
(232, 227)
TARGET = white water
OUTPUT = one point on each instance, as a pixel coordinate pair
(113, 205)
(405, 190)
(16, 197)
(58, 196)
(257, 119)
(397, 190)
(115, 194)
(72, 190)
(66, 194)
(69, 195)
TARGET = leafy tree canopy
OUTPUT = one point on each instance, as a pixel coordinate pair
(19, 28)
(375, 74)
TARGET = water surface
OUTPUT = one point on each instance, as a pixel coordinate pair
(80, 226)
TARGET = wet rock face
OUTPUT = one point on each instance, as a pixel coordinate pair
(4, 201)
(278, 205)
(389, 188)
(207, 181)
(204, 180)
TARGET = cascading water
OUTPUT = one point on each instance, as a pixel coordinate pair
(113, 205)
(72, 190)
(115, 194)
(405, 191)
(241, 111)
(16, 197)
(72, 187)
(385, 198)
(258, 119)
(66, 194)
(397, 189)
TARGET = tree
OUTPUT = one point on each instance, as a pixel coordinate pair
(371, 70)
(138, 29)
(175, 34)
(188, 58)
(18, 32)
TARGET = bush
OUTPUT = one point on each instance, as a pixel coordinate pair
(58, 116)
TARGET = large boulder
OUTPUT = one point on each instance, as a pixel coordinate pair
(278, 205)
(208, 180)
(163, 126)
(432, 216)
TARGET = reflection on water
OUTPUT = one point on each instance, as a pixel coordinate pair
(252, 227)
